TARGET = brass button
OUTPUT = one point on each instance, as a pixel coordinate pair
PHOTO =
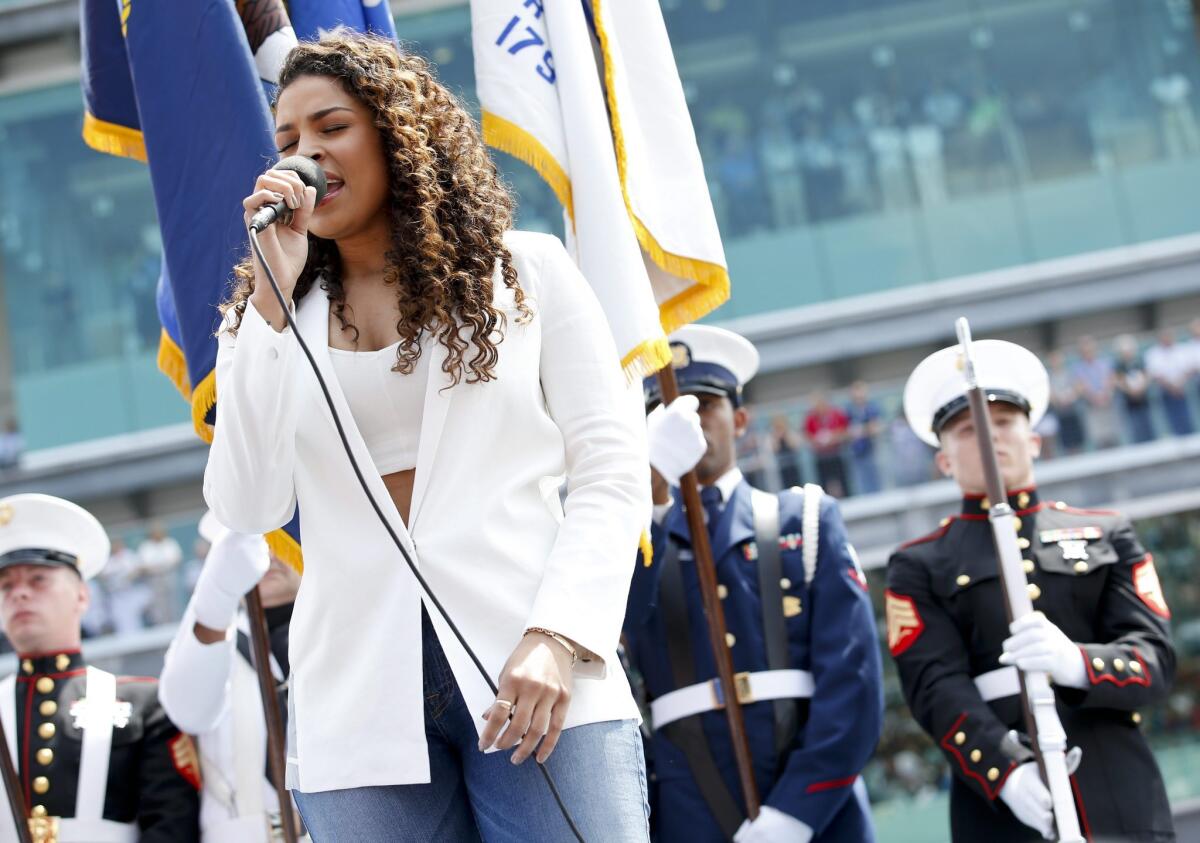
(1034, 591)
(1017, 523)
(45, 685)
(945, 521)
(37, 811)
(722, 591)
(960, 738)
(46, 731)
(791, 606)
(62, 661)
(1081, 567)
(976, 755)
(45, 756)
(1060, 505)
(41, 784)
(1098, 663)
(963, 580)
(1023, 543)
(785, 583)
(1118, 664)
(993, 774)
(1136, 717)
(47, 708)
(1022, 500)
(1028, 565)
(1136, 667)
(985, 504)
(26, 666)
(729, 639)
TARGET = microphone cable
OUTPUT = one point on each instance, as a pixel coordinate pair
(287, 315)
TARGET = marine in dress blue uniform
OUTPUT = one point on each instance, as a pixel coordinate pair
(804, 644)
(1100, 626)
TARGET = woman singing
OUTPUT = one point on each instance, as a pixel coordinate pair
(473, 370)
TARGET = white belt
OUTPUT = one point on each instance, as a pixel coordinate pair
(997, 684)
(751, 687)
(72, 830)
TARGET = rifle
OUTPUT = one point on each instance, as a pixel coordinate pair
(1042, 725)
(706, 571)
(276, 740)
(16, 797)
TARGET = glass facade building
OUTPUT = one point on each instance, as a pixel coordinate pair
(851, 147)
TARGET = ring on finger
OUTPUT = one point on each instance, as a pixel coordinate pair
(507, 705)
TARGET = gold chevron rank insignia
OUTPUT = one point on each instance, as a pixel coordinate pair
(904, 624)
(1145, 581)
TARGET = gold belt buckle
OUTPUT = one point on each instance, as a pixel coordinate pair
(741, 684)
(741, 688)
(43, 829)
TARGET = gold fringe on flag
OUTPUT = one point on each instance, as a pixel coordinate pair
(646, 359)
(286, 549)
(204, 398)
(690, 305)
(511, 138)
(171, 363)
(712, 280)
(113, 139)
(646, 548)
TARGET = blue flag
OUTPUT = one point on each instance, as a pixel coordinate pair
(176, 85)
(310, 17)
(184, 87)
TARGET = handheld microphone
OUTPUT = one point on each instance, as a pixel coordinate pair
(310, 173)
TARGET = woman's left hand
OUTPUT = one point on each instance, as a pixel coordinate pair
(537, 681)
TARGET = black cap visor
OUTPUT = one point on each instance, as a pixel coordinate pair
(721, 389)
(951, 410)
(41, 556)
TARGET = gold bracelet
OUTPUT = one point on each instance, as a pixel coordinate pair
(567, 645)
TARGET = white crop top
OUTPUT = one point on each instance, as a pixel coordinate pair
(386, 405)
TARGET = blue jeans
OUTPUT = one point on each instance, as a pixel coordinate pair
(1179, 415)
(598, 768)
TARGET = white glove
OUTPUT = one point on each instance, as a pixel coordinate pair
(1029, 800)
(234, 565)
(1037, 644)
(675, 438)
(773, 826)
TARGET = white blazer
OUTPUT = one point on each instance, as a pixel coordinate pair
(486, 524)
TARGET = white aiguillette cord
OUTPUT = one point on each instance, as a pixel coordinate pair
(287, 315)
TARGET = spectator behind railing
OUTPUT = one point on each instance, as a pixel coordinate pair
(1100, 399)
(1171, 367)
(785, 445)
(160, 556)
(1064, 401)
(865, 424)
(1133, 383)
(826, 427)
(1095, 382)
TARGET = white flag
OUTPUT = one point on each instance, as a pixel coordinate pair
(587, 93)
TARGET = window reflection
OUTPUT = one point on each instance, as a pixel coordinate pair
(851, 146)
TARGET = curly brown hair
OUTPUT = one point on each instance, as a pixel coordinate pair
(449, 208)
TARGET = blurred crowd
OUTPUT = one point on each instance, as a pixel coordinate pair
(809, 155)
(1103, 395)
(852, 442)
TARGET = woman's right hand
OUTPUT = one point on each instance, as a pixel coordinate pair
(285, 247)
